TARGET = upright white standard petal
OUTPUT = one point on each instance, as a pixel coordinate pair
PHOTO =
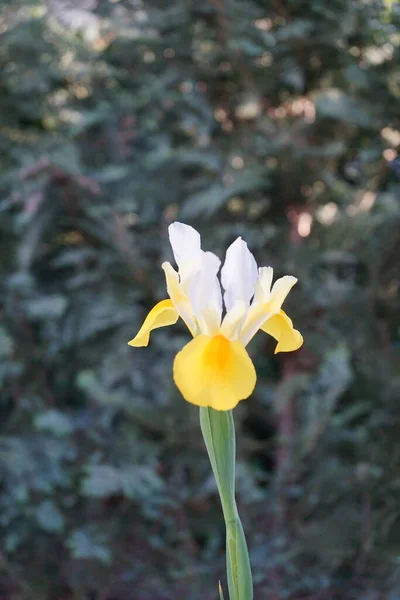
(239, 274)
(204, 291)
(185, 241)
(198, 281)
(186, 247)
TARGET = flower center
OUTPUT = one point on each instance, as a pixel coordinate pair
(217, 353)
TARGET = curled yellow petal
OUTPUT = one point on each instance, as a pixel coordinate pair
(164, 313)
(280, 326)
(215, 372)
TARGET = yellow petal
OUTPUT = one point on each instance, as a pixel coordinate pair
(233, 320)
(164, 313)
(279, 292)
(213, 371)
(280, 326)
(178, 297)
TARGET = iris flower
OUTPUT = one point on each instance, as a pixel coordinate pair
(214, 368)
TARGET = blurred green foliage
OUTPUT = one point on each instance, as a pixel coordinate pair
(278, 121)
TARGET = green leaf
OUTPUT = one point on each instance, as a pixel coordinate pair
(88, 382)
(54, 421)
(140, 482)
(47, 307)
(336, 104)
(6, 344)
(83, 545)
(111, 174)
(210, 200)
(101, 481)
(49, 517)
(320, 398)
(296, 29)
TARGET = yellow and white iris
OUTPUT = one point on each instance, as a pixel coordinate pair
(214, 369)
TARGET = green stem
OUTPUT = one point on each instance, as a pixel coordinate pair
(218, 430)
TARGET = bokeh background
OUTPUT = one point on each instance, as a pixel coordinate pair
(277, 120)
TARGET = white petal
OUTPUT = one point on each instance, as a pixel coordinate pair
(239, 274)
(212, 286)
(256, 317)
(204, 291)
(279, 291)
(211, 263)
(198, 280)
(233, 321)
(185, 242)
(263, 285)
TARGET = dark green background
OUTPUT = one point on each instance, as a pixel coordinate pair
(275, 120)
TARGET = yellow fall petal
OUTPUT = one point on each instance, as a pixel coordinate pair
(280, 327)
(164, 313)
(213, 371)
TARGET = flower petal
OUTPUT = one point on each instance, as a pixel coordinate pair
(204, 291)
(256, 316)
(164, 313)
(213, 371)
(185, 241)
(178, 297)
(266, 302)
(280, 326)
(198, 280)
(263, 285)
(280, 290)
(233, 321)
(239, 274)
(186, 246)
